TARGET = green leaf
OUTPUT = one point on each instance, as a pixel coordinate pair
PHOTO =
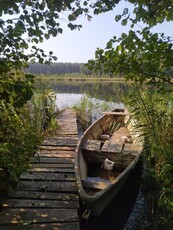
(109, 45)
(125, 11)
(124, 22)
(117, 18)
(60, 30)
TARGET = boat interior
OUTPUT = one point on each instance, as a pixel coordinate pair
(107, 151)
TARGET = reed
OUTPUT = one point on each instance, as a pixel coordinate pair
(154, 111)
(84, 112)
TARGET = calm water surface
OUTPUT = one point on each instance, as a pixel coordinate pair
(64, 100)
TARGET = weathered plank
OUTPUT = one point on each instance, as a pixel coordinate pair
(45, 165)
(55, 154)
(45, 226)
(47, 176)
(93, 145)
(95, 184)
(48, 186)
(132, 149)
(59, 160)
(32, 203)
(121, 113)
(41, 215)
(112, 147)
(52, 170)
(43, 195)
(60, 142)
(62, 148)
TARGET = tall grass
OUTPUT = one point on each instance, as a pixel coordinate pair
(85, 111)
(154, 110)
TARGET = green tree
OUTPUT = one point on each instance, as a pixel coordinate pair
(140, 54)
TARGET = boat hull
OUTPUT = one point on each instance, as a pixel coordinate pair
(98, 201)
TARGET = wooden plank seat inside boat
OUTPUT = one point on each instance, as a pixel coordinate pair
(111, 146)
(95, 183)
(93, 145)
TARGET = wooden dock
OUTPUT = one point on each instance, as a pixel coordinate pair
(46, 196)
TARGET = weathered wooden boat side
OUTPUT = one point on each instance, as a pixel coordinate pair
(92, 150)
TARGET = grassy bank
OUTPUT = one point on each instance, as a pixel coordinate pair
(81, 77)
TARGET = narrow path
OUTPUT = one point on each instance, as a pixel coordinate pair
(46, 196)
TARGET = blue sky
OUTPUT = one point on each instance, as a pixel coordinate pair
(80, 46)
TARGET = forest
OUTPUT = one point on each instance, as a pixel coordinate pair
(57, 68)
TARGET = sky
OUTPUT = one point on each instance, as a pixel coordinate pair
(80, 46)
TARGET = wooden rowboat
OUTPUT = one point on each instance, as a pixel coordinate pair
(105, 155)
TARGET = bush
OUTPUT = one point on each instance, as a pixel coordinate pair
(22, 130)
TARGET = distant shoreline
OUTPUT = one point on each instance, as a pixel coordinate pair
(80, 78)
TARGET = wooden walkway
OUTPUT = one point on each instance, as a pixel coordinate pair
(46, 196)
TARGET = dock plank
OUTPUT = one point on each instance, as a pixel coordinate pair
(41, 215)
(65, 160)
(32, 203)
(43, 195)
(47, 165)
(52, 170)
(47, 185)
(48, 176)
(45, 226)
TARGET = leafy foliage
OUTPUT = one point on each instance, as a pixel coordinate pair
(141, 54)
(30, 22)
(152, 12)
(22, 130)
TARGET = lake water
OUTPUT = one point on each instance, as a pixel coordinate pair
(107, 95)
(68, 100)
(126, 210)
(64, 100)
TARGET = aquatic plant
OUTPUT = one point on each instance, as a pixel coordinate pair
(154, 111)
(84, 112)
(88, 110)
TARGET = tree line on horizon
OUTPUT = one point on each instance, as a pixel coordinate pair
(58, 68)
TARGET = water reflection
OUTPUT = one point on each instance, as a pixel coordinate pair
(68, 100)
(109, 91)
(64, 100)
